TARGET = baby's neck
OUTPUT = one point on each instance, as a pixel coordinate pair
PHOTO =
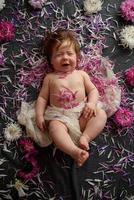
(63, 73)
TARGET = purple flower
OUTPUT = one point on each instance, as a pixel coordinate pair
(36, 4)
(129, 76)
(28, 146)
(6, 31)
(30, 175)
(29, 156)
(127, 10)
(124, 117)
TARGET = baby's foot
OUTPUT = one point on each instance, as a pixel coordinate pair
(81, 156)
(84, 142)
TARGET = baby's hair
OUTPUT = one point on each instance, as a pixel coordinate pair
(56, 38)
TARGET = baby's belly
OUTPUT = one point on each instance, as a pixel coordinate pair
(67, 103)
(66, 97)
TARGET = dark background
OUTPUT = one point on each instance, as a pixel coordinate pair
(122, 57)
(104, 176)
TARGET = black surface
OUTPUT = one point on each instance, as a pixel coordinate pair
(59, 178)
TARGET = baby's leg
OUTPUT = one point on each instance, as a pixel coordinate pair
(59, 133)
(92, 128)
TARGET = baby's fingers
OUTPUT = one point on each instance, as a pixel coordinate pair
(94, 113)
(43, 127)
(90, 114)
(86, 113)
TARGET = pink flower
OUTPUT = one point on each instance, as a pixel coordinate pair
(30, 175)
(29, 156)
(129, 76)
(28, 146)
(33, 172)
(67, 98)
(6, 31)
(124, 117)
(34, 75)
(100, 84)
(127, 10)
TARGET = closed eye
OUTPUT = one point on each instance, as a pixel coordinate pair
(58, 54)
(70, 53)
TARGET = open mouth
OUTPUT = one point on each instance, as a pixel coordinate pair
(65, 65)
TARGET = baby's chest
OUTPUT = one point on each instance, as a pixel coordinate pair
(72, 83)
(67, 90)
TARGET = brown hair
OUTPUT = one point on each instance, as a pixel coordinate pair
(56, 38)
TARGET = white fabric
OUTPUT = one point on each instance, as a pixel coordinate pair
(112, 100)
(26, 117)
(70, 117)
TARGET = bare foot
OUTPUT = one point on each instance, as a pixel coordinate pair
(84, 142)
(80, 156)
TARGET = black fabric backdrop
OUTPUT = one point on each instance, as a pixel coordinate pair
(58, 177)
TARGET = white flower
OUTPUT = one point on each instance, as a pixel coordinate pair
(36, 4)
(20, 187)
(127, 36)
(2, 4)
(92, 6)
(12, 132)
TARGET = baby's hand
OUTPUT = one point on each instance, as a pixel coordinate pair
(89, 110)
(41, 123)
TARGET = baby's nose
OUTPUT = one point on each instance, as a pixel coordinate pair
(65, 56)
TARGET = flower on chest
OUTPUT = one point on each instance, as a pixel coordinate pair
(67, 95)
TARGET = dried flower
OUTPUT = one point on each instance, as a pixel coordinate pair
(127, 10)
(34, 75)
(127, 36)
(20, 187)
(36, 4)
(29, 156)
(33, 172)
(92, 6)
(129, 76)
(28, 146)
(12, 131)
(124, 117)
(30, 175)
(2, 4)
(6, 31)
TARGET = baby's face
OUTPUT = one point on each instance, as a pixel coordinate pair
(64, 58)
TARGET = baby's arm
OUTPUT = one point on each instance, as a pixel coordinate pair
(92, 97)
(41, 104)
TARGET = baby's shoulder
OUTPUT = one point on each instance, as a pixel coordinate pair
(81, 72)
(49, 76)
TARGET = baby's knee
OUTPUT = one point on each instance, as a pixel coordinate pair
(55, 126)
(101, 114)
